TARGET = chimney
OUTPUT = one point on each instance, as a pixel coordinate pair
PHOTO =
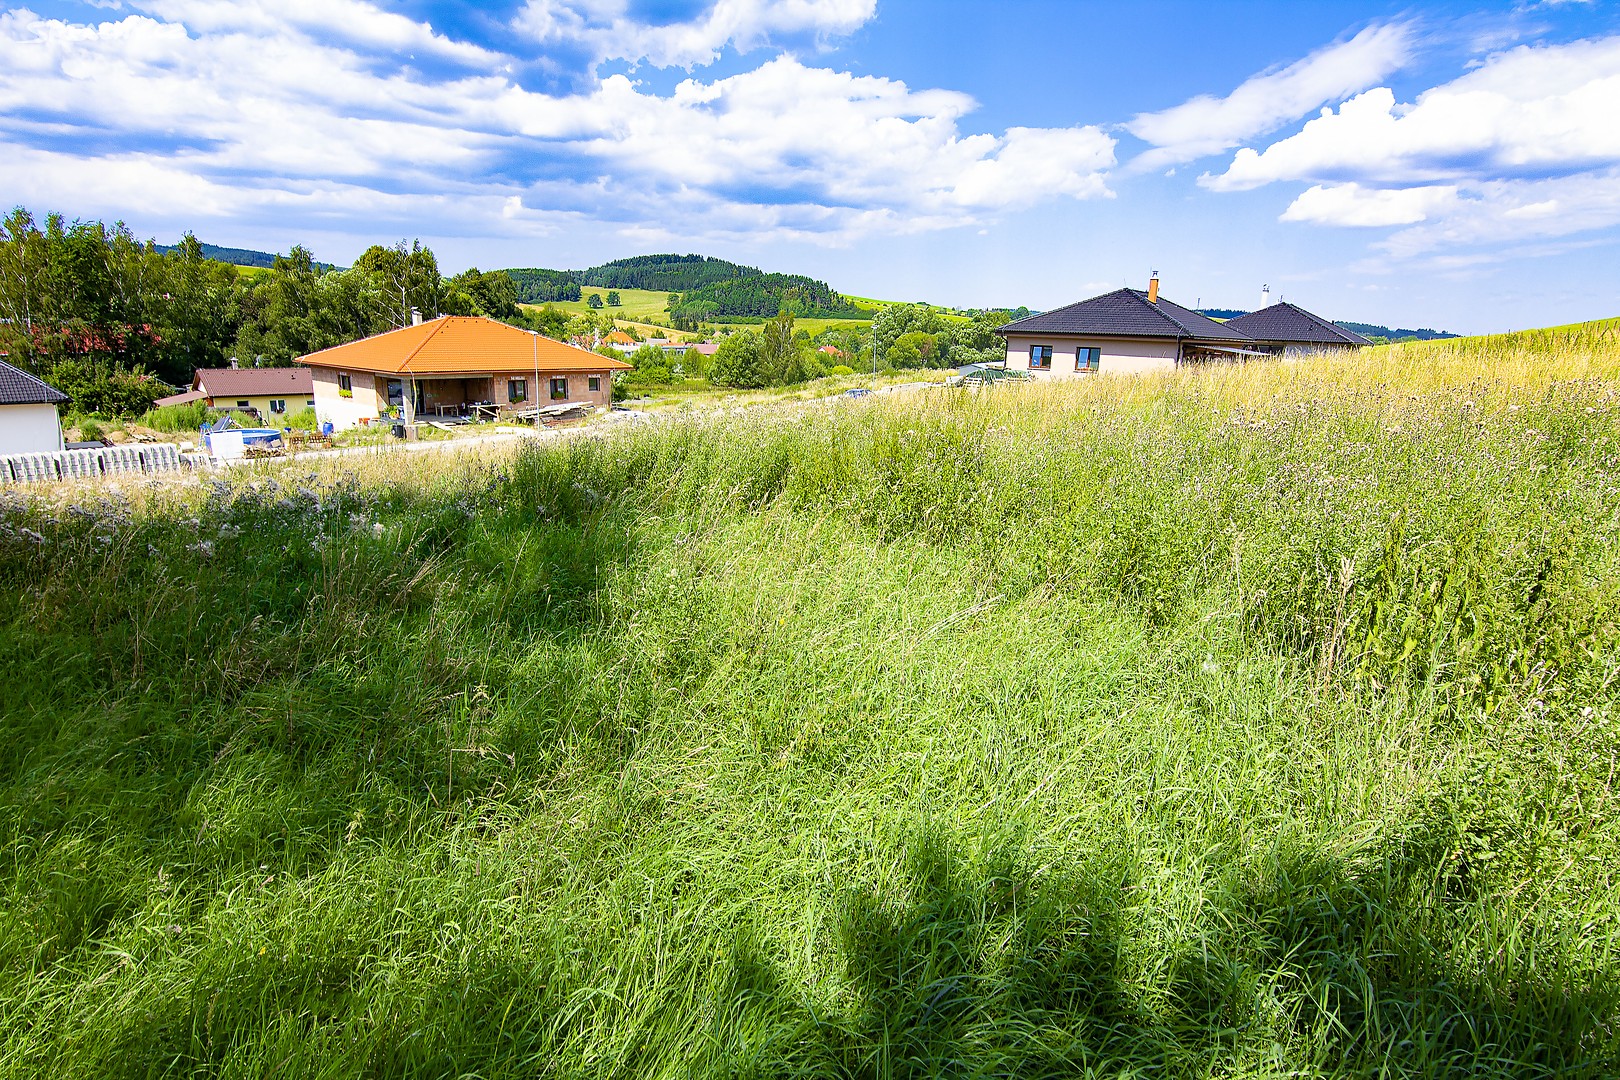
(1265, 296)
(1153, 288)
(416, 317)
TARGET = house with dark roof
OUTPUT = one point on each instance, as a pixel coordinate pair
(270, 393)
(1288, 330)
(1125, 331)
(29, 423)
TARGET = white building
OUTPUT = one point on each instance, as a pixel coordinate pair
(28, 420)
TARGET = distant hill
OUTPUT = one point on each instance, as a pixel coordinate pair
(710, 288)
(1374, 330)
(239, 256)
(1367, 330)
(665, 273)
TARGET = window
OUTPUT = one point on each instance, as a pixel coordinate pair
(396, 392)
(310, 403)
(1040, 356)
(517, 390)
(244, 403)
(594, 382)
(278, 405)
(345, 385)
(1087, 359)
(559, 388)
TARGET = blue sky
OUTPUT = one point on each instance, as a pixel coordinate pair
(1448, 164)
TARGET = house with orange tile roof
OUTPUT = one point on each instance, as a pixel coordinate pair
(454, 365)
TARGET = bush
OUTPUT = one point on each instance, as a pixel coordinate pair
(106, 388)
(178, 418)
(303, 420)
(90, 429)
(842, 369)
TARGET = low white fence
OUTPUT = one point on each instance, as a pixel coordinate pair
(107, 461)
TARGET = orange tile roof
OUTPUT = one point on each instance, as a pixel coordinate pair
(455, 345)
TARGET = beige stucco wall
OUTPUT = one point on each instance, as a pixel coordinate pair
(346, 412)
(1120, 356)
(29, 429)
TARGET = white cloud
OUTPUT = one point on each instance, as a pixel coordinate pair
(1352, 204)
(351, 21)
(1524, 145)
(608, 32)
(1209, 125)
(251, 118)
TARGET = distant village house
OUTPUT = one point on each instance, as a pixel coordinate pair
(270, 393)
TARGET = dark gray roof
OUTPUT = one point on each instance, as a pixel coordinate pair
(1290, 323)
(17, 387)
(1126, 313)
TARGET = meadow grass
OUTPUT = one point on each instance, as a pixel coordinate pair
(1246, 722)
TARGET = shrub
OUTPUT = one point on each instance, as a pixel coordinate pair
(90, 429)
(178, 418)
(303, 419)
(841, 369)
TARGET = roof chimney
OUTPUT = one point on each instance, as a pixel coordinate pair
(1153, 288)
(1265, 296)
(416, 317)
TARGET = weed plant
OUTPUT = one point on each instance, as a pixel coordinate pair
(1257, 721)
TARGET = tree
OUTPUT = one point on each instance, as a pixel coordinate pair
(494, 294)
(408, 278)
(780, 355)
(593, 301)
(613, 300)
(737, 362)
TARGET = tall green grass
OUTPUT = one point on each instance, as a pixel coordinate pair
(1251, 723)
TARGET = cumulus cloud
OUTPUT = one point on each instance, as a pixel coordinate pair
(1524, 145)
(1352, 204)
(608, 31)
(253, 117)
(1208, 125)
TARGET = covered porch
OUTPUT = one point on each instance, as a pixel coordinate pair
(468, 397)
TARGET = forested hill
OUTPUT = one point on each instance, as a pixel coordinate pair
(237, 256)
(765, 295)
(665, 273)
(1373, 330)
(709, 288)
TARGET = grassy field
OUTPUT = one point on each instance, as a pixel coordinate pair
(1256, 721)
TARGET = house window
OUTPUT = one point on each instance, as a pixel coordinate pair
(310, 403)
(278, 405)
(1040, 356)
(559, 388)
(594, 382)
(345, 385)
(1087, 359)
(396, 392)
(243, 404)
(517, 390)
